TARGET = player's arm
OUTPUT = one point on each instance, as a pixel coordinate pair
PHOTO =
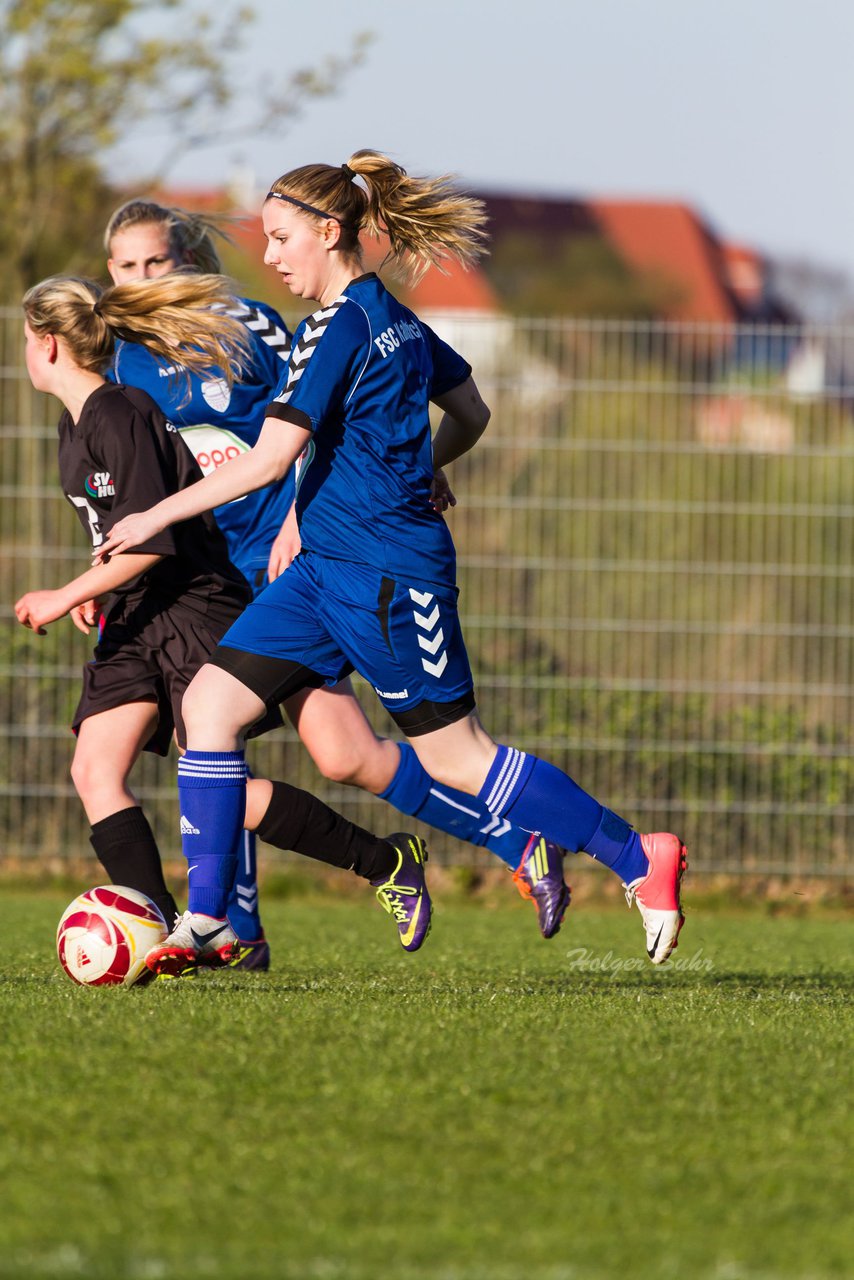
(286, 545)
(37, 609)
(275, 452)
(464, 420)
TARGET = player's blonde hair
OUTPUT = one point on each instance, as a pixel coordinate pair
(426, 219)
(182, 318)
(191, 235)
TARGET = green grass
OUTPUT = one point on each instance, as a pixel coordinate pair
(496, 1107)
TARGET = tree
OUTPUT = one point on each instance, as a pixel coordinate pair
(74, 76)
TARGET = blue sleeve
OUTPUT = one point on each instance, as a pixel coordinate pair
(271, 337)
(449, 368)
(323, 369)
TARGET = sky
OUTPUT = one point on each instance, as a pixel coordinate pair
(743, 108)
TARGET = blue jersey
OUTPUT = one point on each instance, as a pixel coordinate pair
(361, 375)
(219, 423)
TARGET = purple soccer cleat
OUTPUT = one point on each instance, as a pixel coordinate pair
(251, 955)
(404, 894)
(539, 877)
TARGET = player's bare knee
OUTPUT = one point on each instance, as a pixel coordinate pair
(199, 713)
(83, 774)
(341, 766)
(91, 779)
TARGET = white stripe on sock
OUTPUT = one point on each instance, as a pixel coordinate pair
(474, 813)
(506, 781)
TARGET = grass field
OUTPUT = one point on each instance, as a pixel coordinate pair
(496, 1107)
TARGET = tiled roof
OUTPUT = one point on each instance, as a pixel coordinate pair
(672, 241)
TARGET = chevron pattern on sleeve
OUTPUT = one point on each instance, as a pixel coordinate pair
(302, 351)
(271, 334)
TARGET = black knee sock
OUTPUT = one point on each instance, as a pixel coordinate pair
(127, 850)
(297, 820)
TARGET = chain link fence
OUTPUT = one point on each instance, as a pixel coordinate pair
(655, 549)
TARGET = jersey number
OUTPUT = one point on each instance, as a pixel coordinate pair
(91, 516)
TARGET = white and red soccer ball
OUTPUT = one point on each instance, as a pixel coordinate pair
(104, 934)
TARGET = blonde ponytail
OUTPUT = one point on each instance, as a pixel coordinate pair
(183, 318)
(426, 219)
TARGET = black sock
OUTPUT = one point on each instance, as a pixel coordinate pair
(297, 820)
(128, 852)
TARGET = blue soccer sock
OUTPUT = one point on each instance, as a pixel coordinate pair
(413, 791)
(533, 792)
(617, 846)
(243, 911)
(212, 794)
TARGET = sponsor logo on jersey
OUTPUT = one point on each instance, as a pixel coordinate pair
(100, 485)
(217, 394)
(213, 446)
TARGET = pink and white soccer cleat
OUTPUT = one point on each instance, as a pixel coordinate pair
(657, 894)
(195, 940)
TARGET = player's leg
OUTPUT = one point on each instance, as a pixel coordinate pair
(289, 818)
(243, 909)
(414, 655)
(406, 640)
(512, 782)
(226, 696)
(339, 738)
(185, 646)
(108, 745)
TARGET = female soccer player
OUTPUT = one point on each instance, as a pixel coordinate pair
(176, 594)
(146, 240)
(374, 585)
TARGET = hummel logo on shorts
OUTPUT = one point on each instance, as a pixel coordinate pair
(187, 828)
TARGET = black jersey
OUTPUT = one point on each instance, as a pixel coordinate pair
(123, 456)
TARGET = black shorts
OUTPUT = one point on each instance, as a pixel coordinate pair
(149, 652)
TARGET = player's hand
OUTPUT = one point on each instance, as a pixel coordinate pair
(85, 616)
(126, 534)
(286, 546)
(441, 494)
(39, 608)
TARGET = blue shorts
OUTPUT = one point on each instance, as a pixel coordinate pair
(334, 616)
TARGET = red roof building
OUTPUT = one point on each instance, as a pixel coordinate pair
(672, 241)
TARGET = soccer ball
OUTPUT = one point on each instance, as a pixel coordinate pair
(103, 935)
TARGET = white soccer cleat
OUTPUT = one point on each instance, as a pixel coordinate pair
(657, 894)
(196, 939)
